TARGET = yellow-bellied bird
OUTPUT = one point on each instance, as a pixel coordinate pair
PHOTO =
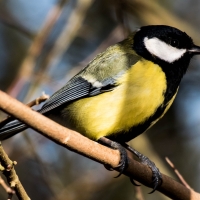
(123, 91)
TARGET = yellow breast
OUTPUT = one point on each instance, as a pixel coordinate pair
(138, 94)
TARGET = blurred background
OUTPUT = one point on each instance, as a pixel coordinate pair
(44, 43)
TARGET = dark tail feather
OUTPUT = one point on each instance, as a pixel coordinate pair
(11, 129)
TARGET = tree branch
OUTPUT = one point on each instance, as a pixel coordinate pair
(88, 148)
(11, 175)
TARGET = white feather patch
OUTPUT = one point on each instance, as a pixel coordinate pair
(162, 50)
(93, 81)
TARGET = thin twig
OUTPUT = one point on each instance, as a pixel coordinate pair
(38, 100)
(11, 175)
(138, 192)
(8, 189)
(180, 177)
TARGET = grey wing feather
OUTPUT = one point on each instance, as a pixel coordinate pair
(78, 87)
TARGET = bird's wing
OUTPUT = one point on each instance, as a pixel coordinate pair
(89, 84)
(77, 88)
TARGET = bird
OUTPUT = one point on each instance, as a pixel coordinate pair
(123, 91)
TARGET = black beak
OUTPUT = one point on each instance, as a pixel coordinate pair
(194, 50)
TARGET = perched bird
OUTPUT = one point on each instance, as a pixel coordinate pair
(123, 91)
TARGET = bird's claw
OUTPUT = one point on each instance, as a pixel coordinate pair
(123, 154)
(157, 176)
(124, 158)
(108, 167)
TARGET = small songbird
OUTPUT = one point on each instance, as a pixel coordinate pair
(123, 91)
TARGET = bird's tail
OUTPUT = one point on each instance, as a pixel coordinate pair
(11, 128)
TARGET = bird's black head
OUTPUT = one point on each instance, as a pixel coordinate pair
(168, 47)
(165, 45)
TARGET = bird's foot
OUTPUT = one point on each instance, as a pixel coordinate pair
(157, 176)
(124, 158)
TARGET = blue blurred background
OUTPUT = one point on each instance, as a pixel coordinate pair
(44, 43)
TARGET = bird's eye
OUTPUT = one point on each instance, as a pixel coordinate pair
(174, 42)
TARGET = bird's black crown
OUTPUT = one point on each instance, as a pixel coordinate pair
(170, 35)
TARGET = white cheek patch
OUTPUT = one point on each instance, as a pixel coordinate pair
(162, 50)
